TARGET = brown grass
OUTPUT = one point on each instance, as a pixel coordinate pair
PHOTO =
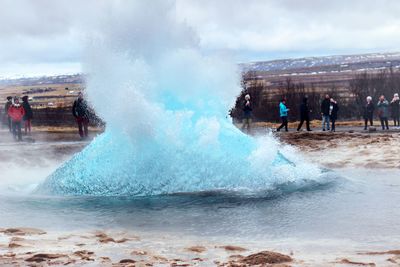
(62, 97)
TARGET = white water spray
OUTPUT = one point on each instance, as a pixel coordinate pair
(165, 104)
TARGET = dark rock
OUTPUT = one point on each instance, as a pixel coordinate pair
(44, 257)
(127, 261)
(266, 257)
(197, 249)
(233, 248)
(347, 261)
(22, 231)
(84, 255)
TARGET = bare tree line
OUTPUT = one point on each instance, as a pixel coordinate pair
(265, 98)
(385, 82)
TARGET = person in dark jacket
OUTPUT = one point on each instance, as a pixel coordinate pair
(6, 107)
(28, 114)
(333, 111)
(304, 114)
(368, 113)
(325, 108)
(395, 107)
(383, 112)
(283, 113)
(81, 114)
(247, 113)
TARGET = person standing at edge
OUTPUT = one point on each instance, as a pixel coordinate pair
(6, 107)
(383, 112)
(333, 110)
(16, 113)
(81, 114)
(247, 110)
(283, 113)
(304, 114)
(28, 114)
(325, 108)
(395, 106)
(368, 112)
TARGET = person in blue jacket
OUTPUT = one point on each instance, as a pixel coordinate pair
(283, 113)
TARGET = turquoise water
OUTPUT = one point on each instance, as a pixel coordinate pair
(113, 166)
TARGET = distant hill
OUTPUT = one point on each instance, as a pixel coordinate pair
(324, 65)
(33, 81)
(340, 64)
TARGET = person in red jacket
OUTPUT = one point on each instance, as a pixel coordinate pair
(16, 113)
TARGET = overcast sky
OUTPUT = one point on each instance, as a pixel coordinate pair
(39, 37)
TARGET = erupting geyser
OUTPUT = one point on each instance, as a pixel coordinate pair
(165, 104)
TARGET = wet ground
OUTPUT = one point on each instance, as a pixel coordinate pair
(344, 149)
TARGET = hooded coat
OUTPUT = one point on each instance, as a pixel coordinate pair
(395, 106)
(334, 108)
(325, 105)
(283, 111)
(7, 106)
(79, 109)
(16, 112)
(247, 109)
(304, 110)
(369, 110)
(28, 110)
(383, 109)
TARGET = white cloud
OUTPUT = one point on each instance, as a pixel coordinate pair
(55, 32)
(299, 26)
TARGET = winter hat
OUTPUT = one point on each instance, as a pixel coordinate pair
(247, 97)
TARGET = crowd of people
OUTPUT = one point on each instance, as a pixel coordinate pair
(329, 113)
(18, 114)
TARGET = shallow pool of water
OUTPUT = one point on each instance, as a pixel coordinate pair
(361, 205)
